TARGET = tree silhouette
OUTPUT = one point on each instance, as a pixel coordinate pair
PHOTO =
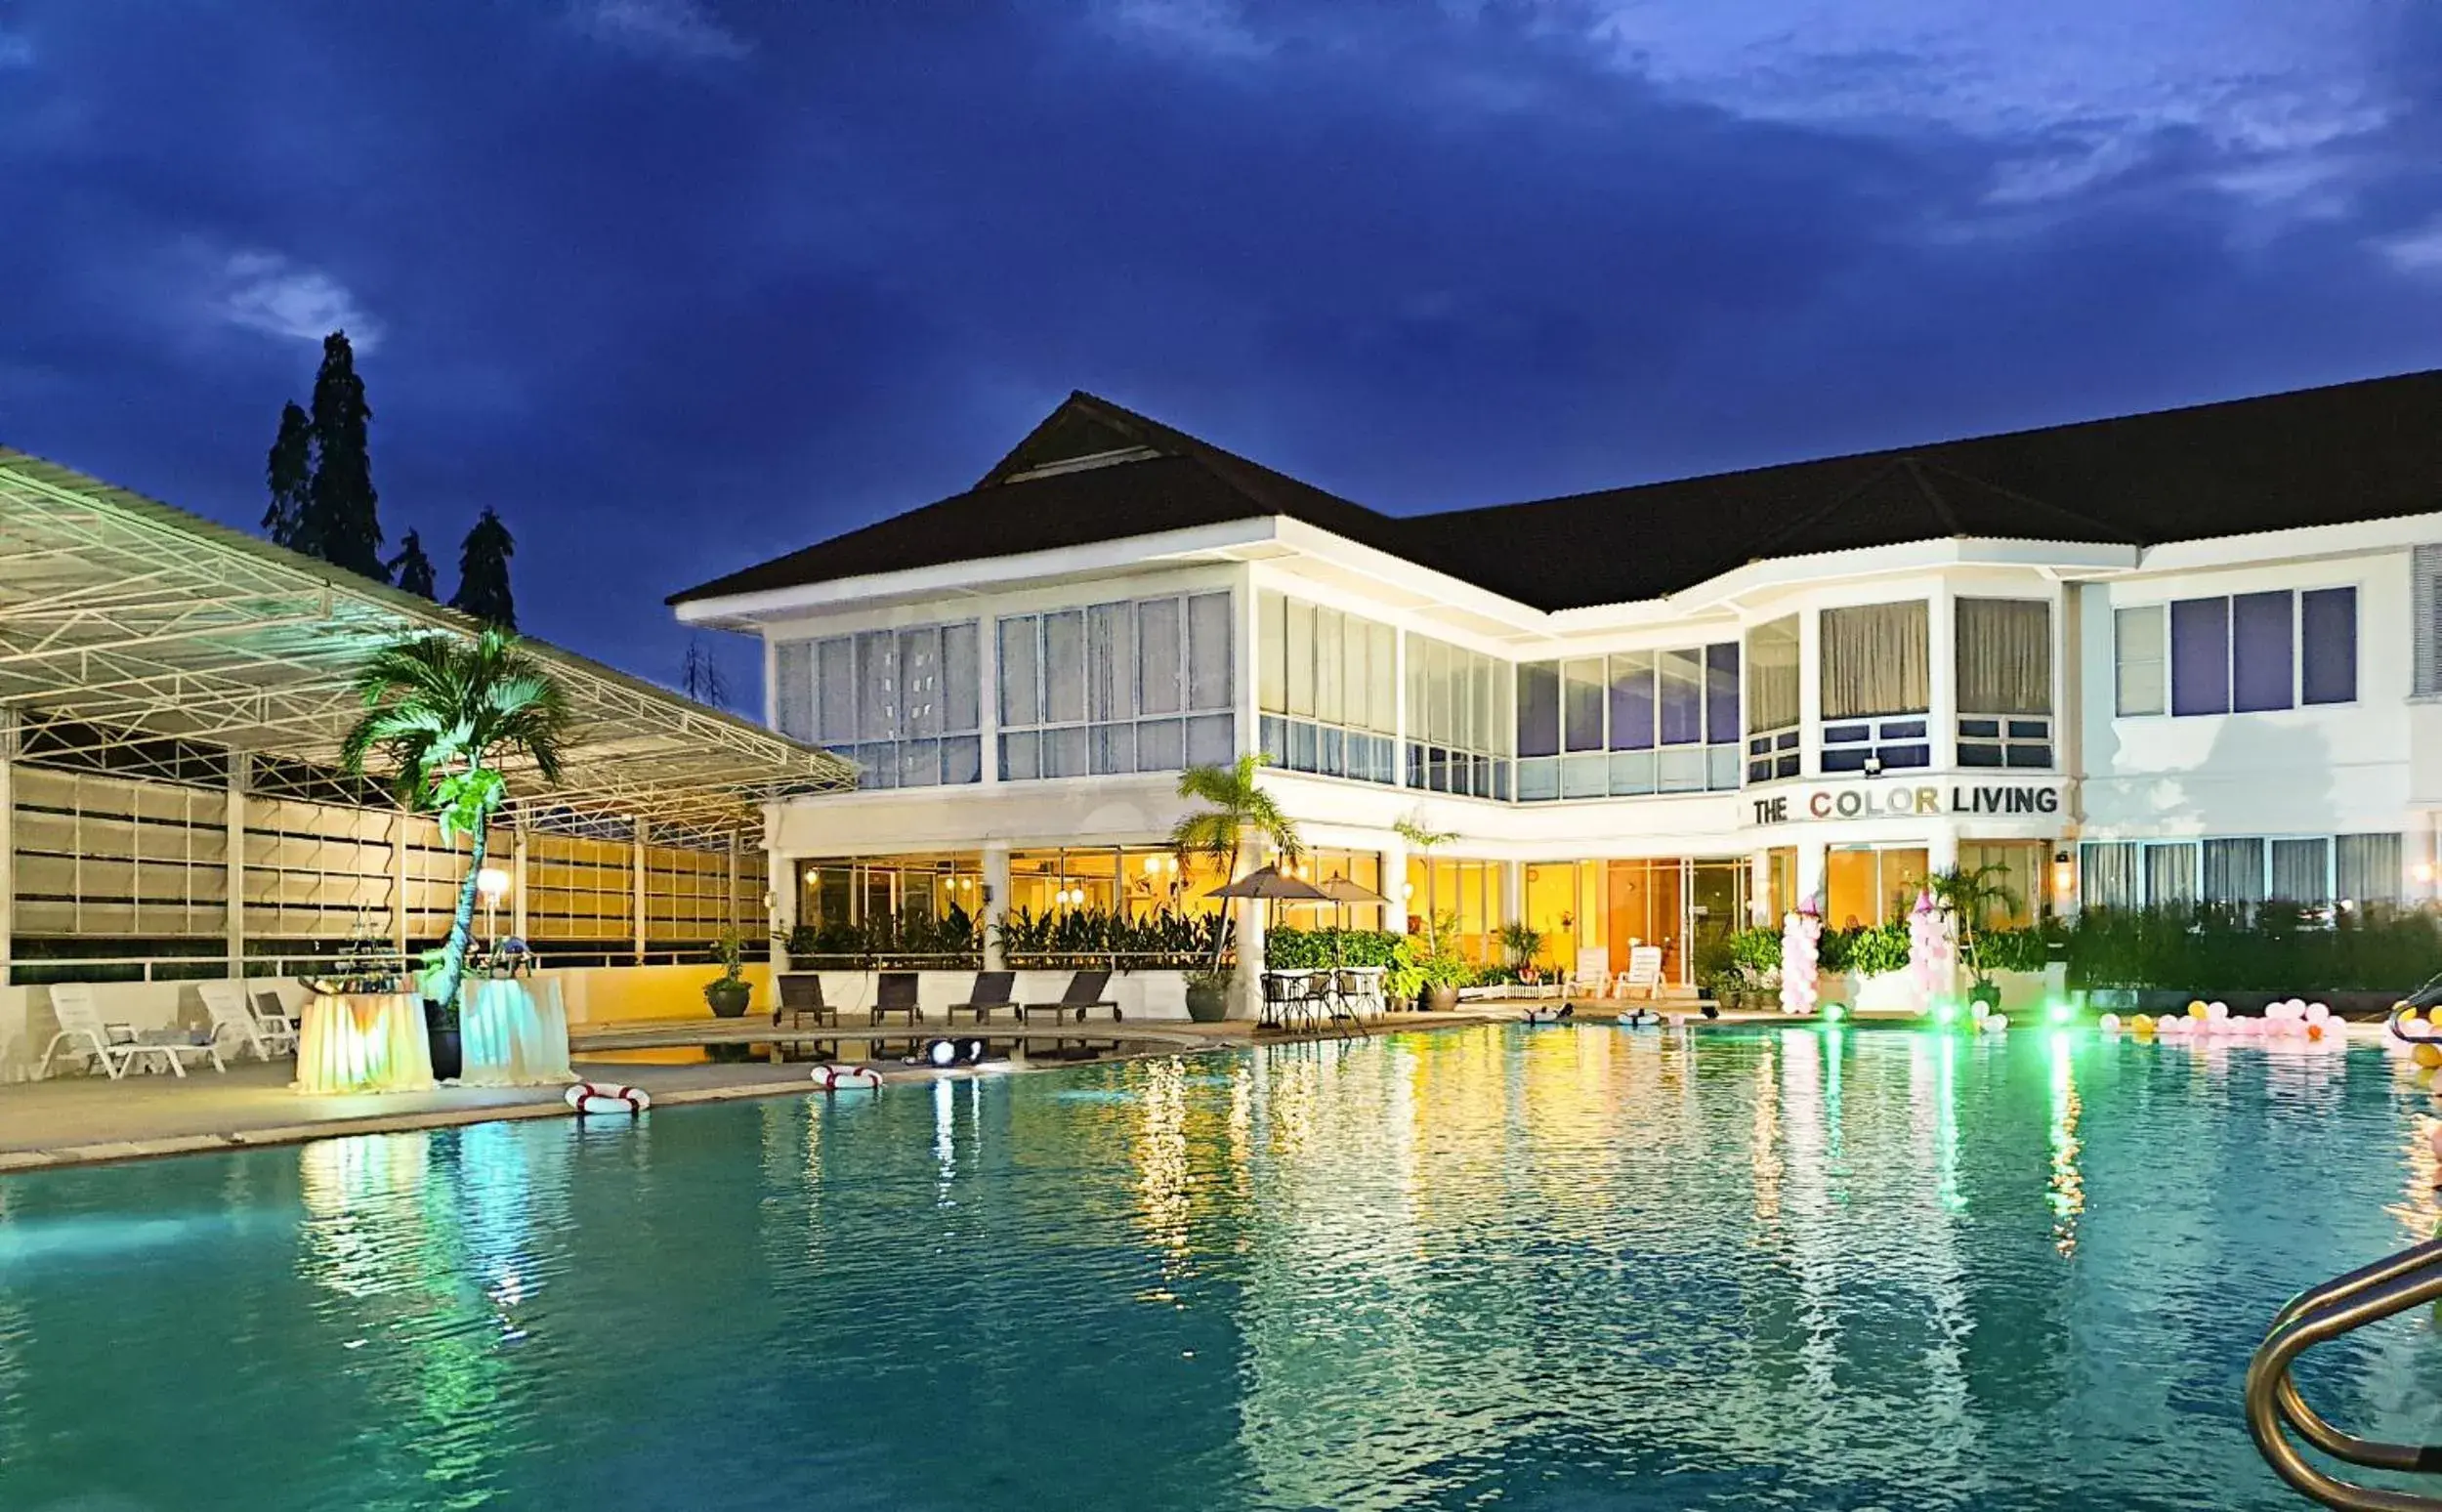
(290, 474)
(411, 569)
(340, 523)
(483, 572)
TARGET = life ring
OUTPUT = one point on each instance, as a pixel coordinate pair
(847, 1079)
(600, 1097)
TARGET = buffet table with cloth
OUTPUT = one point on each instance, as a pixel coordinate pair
(363, 1042)
(515, 1033)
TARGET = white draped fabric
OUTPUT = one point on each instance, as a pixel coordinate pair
(515, 1033)
(368, 1042)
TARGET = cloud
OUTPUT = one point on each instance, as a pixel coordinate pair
(264, 291)
(1208, 28)
(16, 50)
(668, 28)
(2418, 251)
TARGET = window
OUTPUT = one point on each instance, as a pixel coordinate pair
(2108, 876)
(2141, 673)
(2425, 620)
(1772, 700)
(1327, 693)
(2366, 868)
(2247, 654)
(1633, 723)
(1461, 719)
(905, 705)
(2242, 871)
(2004, 661)
(1874, 664)
(2234, 871)
(1134, 685)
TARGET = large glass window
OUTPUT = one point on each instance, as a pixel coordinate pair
(1461, 719)
(1327, 692)
(1772, 700)
(903, 704)
(2311, 871)
(1864, 885)
(2004, 663)
(1633, 723)
(1876, 686)
(2245, 654)
(1134, 685)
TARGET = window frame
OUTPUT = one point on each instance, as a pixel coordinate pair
(2163, 610)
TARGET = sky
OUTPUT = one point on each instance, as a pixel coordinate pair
(677, 286)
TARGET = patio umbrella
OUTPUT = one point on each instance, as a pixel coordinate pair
(1345, 892)
(1272, 885)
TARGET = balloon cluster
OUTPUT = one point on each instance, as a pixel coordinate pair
(1801, 933)
(1932, 956)
(2293, 1022)
(1988, 1019)
(2417, 1032)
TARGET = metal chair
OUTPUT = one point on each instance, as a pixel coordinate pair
(992, 991)
(895, 992)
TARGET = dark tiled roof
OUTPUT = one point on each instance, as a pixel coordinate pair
(2352, 451)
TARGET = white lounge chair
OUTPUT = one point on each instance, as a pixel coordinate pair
(1593, 973)
(115, 1046)
(226, 1001)
(1644, 973)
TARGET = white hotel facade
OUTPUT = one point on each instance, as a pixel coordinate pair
(2155, 659)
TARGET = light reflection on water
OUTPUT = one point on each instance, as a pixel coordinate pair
(1546, 1268)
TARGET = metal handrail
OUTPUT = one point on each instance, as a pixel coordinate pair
(2368, 1294)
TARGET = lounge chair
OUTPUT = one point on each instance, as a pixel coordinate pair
(1644, 973)
(802, 1008)
(895, 992)
(226, 1002)
(1084, 991)
(991, 993)
(271, 1010)
(115, 1046)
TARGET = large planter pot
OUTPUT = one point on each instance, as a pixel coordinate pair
(1208, 1004)
(1440, 998)
(730, 999)
(440, 1031)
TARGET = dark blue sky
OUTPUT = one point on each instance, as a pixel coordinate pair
(679, 285)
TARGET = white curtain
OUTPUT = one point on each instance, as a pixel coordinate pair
(1772, 676)
(2004, 656)
(1876, 660)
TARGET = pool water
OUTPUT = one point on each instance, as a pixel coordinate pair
(1563, 1268)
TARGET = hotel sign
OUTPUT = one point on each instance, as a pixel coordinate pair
(1906, 800)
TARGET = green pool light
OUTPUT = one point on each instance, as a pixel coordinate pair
(1834, 1013)
(1945, 1013)
(2058, 1012)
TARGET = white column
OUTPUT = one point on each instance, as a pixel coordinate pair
(1250, 980)
(995, 899)
(1512, 893)
(1811, 856)
(1809, 704)
(517, 872)
(1395, 883)
(1941, 852)
(1759, 887)
(781, 884)
(1942, 684)
(635, 875)
(8, 839)
(240, 778)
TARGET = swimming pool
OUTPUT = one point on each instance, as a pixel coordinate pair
(1565, 1267)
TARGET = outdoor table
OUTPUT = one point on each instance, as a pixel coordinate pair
(363, 1042)
(515, 1033)
(1289, 993)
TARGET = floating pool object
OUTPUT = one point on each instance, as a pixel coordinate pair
(2142, 1026)
(2216, 1012)
(2109, 1023)
(847, 1079)
(2405, 1013)
(1997, 1023)
(606, 1099)
(2197, 1009)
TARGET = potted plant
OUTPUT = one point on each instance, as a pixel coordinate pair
(1523, 944)
(1969, 899)
(729, 993)
(1402, 980)
(1209, 995)
(1442, 969)
(444, 710)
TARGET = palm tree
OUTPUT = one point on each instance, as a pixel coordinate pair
(1239, 814)
(443, 712)
(1970, 896)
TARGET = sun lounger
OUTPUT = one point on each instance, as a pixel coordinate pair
(114, 1046)
(226, 1002)
(992, 991)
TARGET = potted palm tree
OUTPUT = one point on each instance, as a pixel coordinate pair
(1237, 816)
(729, 993)
(442, 711)
(1969, 897)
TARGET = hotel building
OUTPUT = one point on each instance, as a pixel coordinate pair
(2146, 661)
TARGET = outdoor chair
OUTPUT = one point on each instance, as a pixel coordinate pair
(114, 1046)
(895, 992)
(1593, 973)
(991, 993)
(1644, 973)
(1085, 991)
(802, 1007)
(226, 1002)
(272, 1013)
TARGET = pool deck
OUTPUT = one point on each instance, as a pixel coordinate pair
(83, 1121)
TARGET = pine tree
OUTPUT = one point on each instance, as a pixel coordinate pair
(341, 522)
(411, 569)
(484, 574)
(290, 473)
(702, 678)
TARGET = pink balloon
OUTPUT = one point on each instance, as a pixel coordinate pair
(2217, 1012)
(2109, 1023)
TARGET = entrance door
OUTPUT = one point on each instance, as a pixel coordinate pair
(1648, 907)
(1715, 905)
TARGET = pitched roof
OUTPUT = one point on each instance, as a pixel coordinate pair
(2363, 450)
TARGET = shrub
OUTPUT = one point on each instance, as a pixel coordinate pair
(1311, 949)
(1868, 950)
(2273, 947)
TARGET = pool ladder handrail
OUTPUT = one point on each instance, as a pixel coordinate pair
(2368, 1294)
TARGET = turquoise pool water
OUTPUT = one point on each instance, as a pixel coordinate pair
(1567, 1268)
